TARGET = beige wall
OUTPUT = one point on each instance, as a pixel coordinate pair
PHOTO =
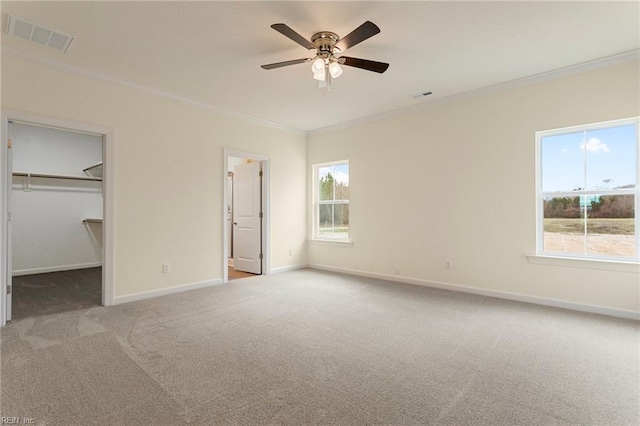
(419, 182)
(168, 197)
(168, 174)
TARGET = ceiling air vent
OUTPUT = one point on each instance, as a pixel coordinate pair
(27, 30)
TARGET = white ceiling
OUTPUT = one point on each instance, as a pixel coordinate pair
(210, 52)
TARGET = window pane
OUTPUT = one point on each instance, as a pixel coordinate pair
(325, 218)
(341, 221)
(564, 225)
(562, 162)
(341, 174)
(326, 183)
(611, 227)
(611, 155)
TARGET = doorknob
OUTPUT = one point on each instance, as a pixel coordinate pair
(235, 223)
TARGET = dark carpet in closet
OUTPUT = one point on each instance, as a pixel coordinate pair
(56, 292)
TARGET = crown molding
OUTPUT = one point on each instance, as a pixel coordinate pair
(521, 82)
(102, 78)
(629, 56)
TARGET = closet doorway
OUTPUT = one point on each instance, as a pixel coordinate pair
(55, 238)
(246, 216)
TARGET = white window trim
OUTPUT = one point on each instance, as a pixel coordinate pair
(315, 203)
(585, 260)
(584, 263)
(334, 243)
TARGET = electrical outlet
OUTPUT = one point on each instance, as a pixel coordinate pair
(166, 268)
(448, 264)
(290, 252)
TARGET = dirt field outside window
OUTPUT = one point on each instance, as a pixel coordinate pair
(606, 237)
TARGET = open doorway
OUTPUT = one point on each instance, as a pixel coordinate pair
(245, 215)
(55, 237)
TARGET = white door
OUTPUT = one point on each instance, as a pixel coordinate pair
(9, 190)
(247, 212)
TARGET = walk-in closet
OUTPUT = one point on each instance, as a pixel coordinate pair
(56, 205)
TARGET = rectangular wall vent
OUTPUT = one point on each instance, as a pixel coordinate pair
(27, 30)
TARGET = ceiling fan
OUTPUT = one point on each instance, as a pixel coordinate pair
(327, 46)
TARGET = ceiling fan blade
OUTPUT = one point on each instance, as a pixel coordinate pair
(286, 31)
(360, 34)
(365, 64)
(285, 63)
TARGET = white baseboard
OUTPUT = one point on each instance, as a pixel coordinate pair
(288, 268)
(603, 310)
(33, 271)
(164, 291)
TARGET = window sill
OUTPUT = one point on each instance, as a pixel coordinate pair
(335, 243)
(576, 262)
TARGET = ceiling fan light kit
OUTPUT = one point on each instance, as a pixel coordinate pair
(335, 70)
(326, 45)
(317, 66)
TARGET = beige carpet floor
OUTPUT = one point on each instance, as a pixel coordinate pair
(310, 347)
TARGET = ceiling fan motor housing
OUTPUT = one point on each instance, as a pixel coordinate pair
(325, 42)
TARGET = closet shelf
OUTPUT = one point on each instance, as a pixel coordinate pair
(45, 175)
(91, 220)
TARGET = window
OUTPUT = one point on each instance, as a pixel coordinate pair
(331, 201)
(588, 188)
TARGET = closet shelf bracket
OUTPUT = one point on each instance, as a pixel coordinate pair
(95, 170)
(91, 220)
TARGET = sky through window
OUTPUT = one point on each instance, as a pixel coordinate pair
(609, 156)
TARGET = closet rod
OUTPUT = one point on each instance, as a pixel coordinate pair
(44, 175)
